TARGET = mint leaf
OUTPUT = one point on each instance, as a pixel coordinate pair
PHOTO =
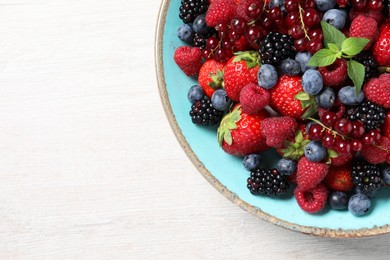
(332, 35)
(356, 74)
(353, 45)
(333, 47)
(322, 58)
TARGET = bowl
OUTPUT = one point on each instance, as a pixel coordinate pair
(225, 172)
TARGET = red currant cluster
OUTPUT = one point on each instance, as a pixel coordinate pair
(361, 5)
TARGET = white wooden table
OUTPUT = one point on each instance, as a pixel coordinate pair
(89, 166)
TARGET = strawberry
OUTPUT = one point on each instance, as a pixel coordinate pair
(211, 76)
(239, 133)
(313, 200)
(189, 60)
(381, 50)
(341, 159)
(253, 98)
(364, 27)
(278, 129)
(339, 178)
(377, 153)
(386, 126)
(220, 12)
(239, 72)
(288, 98)
(310, 174)
(377, 90)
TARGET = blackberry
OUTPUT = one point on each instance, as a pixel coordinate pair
(267, 182)
(276, 47)
(370, 65)
(386, 8)
(366, 177)
(204, 113)
(190, 9)
(371, 114)
(200, 39)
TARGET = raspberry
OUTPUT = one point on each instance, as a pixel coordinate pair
(278, 129)
(220, 12)
(243, 7)
(364, 27)
(335, 74)
(310, 174)
(386, 125)
(378, 90)
(188, 59)
(253, 98)
(376, 153)
(312, 201)
(339, 178)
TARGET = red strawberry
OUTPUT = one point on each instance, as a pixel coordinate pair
(220, 11)
(339, 178)
(342, 159)
(313, 200)
(254, 98)
(386, 126)
(381, 48)
(239, 72)
(211, 76)
(364, 27)
(310, 174)
(377, 90)
(188, 59)
(239, 133)
(277, 130)
(377, 153)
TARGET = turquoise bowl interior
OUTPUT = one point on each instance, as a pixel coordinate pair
(226, 172)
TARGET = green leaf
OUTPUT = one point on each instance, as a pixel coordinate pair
(332, 35)
(302, 96)
(322, 58)
(311, 110)
(332, 153)
(356, 73)
(354, 45)
(298, 137)
(333, 47)
(228, 138)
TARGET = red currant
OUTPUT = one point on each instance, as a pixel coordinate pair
(357, 145)
(343, 126)
(253, 34)
(368, 139)
(296, 31)
(254, 11)
(212, 43)
(291, 6)
(316, 132)
(300, 44)
(275, 13)
(315, 34)
(359, 5)
(358, 129)
(311, 17)
(343, 147)
(328, 141)
(342, 3)
(375, 5)
(238, 25)
(314, 46)
(292, 19)
(308, 4)
(375, 134)
(328, 118)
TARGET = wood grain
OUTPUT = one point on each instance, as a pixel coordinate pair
(89, 166)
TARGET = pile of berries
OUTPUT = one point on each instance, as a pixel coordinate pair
(308, 78)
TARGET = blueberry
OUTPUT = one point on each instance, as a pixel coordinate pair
(386, 175)
(335, 17)
(326, 98)
(291, 67)
(371, 194)
(195, 93)
(312, 82)
(267, 76)
(220, 100)
(186, 33)
(315, 152)
(286, 166)
(200, 25)
(277, 3)
(308, 125)
(325, 5)
(338, 200)
(359, 204)
(347, 96)
(303, 59)
(252, 162)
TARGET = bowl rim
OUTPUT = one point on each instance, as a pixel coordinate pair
(309, 230)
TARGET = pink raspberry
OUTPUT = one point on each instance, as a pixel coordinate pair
(364, 27)
(312, 201)
(276, 130)
(377, 90)
(377, 153)
(335, 74)
(310, 174)
(253, 98)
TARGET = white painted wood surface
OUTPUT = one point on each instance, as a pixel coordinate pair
(89, 166)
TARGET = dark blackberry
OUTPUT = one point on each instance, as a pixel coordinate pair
(267, 182)
(366, 176)
(204, 113)
(276, 47)
(371, 114)
(386, 8)
(190, 9)
(200, 39)
(370, 65)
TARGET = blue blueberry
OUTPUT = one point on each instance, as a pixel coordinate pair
(315, 152)
(335, 17)
(195, 93)
(371, 194)
(347, 96)
(338, 200)
(359, 204)
(267, 76)
(303, 59)
(220, 100)
(312, 82)
(252, 162)
(200, 25)
(290, 67)
(277, 3)
(326, 98)
(286, 166)
(308, 125)
(186, 33)
(325, 5)
(386, 175)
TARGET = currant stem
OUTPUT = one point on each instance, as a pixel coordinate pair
(384, 69)
(328, 128)
(302, 23)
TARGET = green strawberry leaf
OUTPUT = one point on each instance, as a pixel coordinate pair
(353, 45)
(332, 35)
(332, 153)
(251, 58)
(311, 110)
(322, 58)
(302, 96)
(333, 47)
(228, 123)
(217, 79)
(356, 73)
